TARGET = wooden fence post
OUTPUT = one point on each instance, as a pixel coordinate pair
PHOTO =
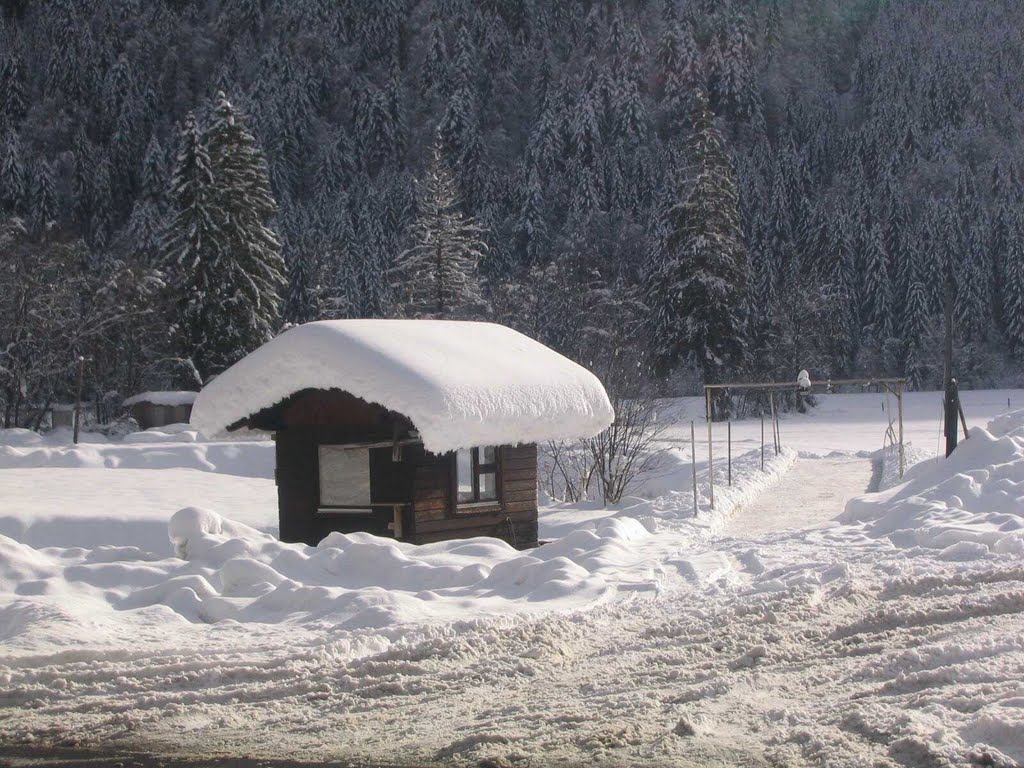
(78, 398)
(728, 439)
(693, 457)
(711, 451)
(762, 442)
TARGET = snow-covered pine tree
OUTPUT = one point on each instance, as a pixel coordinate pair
(141, 236)
(13, 184)
(916, 318)
(246, 271)
(434, 72)
(1014, 288)
(44, 203)
(877, 308)
(532, 224)
(82, 180)
(13, 104)
(188, 245)
(696, 292)
(437, 276)
(100, 223)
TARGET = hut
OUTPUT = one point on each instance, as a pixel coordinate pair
(158, 409)
(421, 430)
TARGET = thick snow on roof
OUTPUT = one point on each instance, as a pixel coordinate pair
(161, 398)
(462, 384)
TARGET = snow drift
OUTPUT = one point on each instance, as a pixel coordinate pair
(968, 505)
(462, 384)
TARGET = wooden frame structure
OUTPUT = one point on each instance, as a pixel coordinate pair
(894, 386)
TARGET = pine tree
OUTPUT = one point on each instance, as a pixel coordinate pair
(438, 275)
(1014, 289)
(44, 203)
(82, 182)
(246, 272)
(13, 104)
(916, 317)
(434, 73)
(877, 295)
(100, 222)
(141, 236)
(13, 184)
(532, 227)
(697, 289)
(224, 259)
(188, 244)
(1014, 292)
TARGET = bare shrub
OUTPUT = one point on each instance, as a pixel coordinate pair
(627, 450)
(566, 470)
(607, 465)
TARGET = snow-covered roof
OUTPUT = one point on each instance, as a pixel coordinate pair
(461, 384)
(161, 398)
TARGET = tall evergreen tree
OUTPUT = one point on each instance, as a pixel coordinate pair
(224, 259)
(44, 203)
(188, 244)
(697, 290)
(1014, 292)
(438, 275)
(247, 271)
(13, 184)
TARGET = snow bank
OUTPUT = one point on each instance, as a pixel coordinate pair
(889, 477)
(170, 398)
(1007, 424)
(670, 489)
(227, 571)
(168, 447)
(462, 384)
(967, 505)
(129, 507)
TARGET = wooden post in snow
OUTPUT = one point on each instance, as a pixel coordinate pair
(949, 383)
(762, 442)
(711, 452)
(78, 398)
(728, 440)
(899, 404)
(693, 457)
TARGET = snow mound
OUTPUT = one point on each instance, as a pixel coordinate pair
(170, 433)
(16, 437)
(1009, 424)
(161, 398)
(461, 383)
(234, 572)
(968, 505)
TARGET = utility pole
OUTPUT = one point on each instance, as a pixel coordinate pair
(951, 398)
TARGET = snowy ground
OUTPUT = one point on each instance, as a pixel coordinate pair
(777, 629)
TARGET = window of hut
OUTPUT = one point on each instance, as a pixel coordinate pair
(477, 474)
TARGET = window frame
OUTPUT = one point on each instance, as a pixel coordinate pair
(342, 509)
(477, 468)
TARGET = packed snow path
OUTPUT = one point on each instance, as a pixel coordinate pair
(812, 493)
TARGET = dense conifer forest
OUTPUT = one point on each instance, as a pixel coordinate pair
(669, 191)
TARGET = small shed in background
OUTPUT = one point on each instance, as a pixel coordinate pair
(421, 430)
(158, 409)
